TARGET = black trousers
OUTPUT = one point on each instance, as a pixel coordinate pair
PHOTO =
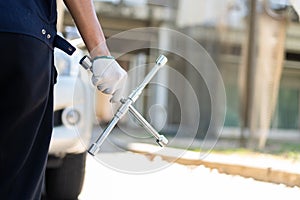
(26, 110)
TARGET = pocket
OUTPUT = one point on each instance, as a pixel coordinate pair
(54, 75)
(54, 72)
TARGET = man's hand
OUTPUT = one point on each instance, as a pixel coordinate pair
(108, 77)
(296, 5)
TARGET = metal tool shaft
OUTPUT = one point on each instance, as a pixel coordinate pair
(160, 61)
(160, 139)
(95, 147)
(127, 105)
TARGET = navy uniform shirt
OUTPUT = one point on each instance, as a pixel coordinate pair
(36, 18)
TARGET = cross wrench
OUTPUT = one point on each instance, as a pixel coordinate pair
(127, 106)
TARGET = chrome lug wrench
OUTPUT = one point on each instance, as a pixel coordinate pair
(127, 106)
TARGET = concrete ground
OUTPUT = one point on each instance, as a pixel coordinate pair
(133, 167)
(110, 180)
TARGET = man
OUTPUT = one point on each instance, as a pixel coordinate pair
(27, 38)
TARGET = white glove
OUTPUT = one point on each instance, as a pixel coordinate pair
(108, 76)
(296, 5)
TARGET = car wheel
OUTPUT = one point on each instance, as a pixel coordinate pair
(66, 181)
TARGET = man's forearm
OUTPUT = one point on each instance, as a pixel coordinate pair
(86, 20)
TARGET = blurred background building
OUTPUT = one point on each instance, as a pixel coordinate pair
(254, 43)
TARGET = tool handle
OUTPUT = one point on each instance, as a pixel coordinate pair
(95, 147)
(86, 62)
(160, 62)
(160, 139)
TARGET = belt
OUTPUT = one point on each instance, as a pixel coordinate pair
(63, 45)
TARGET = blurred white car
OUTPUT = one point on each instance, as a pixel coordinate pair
(73, 122)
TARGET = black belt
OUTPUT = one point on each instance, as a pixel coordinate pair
(63, 45)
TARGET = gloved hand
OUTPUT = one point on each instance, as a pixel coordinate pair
(108, 76)
(296, 5)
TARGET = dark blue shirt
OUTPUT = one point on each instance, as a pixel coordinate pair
(36, 18)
